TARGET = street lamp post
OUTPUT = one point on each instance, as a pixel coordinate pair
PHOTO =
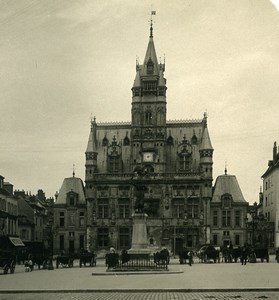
(50, 246)
(246, 229)
(174, 240)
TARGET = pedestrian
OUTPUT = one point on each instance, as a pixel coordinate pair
(244, 253)
(190, 257)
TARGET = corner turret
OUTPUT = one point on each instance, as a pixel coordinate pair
(91, 151)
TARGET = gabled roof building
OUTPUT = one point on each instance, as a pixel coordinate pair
(228, 211)
(69, 217)
(270, 193)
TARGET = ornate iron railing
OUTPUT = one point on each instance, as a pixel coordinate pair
(115, 262)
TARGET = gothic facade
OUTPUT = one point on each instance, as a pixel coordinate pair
(175, 158)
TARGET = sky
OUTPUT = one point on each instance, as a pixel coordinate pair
(64, 61)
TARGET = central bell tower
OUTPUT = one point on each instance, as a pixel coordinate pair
(148, 132)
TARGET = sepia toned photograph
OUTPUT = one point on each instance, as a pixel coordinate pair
(139, 154)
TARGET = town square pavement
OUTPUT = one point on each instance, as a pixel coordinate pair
(199, 281)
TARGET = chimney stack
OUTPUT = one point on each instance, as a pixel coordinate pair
(274, 152)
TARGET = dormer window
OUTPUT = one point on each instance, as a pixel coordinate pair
(72, 198)
(150, 67)
(226, 201)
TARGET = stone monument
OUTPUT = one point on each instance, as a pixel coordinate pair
(139, 238)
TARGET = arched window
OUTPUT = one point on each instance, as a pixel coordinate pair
(148, 117)
(105, 141)
(126, 140)
(170, 140)
(184, 162)
(150, 66)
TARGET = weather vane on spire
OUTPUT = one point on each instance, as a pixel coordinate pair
(153, 13)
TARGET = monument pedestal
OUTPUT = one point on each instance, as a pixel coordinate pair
(138, 258)
(139, 237)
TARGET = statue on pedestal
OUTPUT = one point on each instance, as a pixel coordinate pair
(140, 189)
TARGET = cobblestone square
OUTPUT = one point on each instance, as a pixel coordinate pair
(201, 281)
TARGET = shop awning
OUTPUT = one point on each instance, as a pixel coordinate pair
(16, 241)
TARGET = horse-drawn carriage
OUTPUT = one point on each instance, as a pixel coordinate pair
(162, 257)
(38, 254)
(65, 260)
(7, 261)
(208, 253)
(86, 257)
(261, 253)
(9, 247)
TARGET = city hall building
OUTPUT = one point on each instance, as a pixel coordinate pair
(175, 163)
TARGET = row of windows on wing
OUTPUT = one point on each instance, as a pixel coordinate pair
(218, 239)
(70, 239)
(104, 237)
(115, 164)
(149, 88)
(72, 219)
(177, 191)
(148, 117)
(191, 209)
(227, 218)
(125, 236)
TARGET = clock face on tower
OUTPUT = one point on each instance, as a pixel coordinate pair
(147, 156)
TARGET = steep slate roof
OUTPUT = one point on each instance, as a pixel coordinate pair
(206, 143)
(150, 54)
(71, 184)
(271, 167)
(227, 184)
(24, 209)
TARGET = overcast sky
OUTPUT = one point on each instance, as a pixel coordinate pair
(63, 60)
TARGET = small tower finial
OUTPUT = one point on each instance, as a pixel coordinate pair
(226, 168)
(92, 121)
(73, 170)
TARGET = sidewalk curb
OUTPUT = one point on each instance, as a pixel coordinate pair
(223, 290)
(109, 273)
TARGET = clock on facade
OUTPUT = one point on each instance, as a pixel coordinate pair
(148, 157)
